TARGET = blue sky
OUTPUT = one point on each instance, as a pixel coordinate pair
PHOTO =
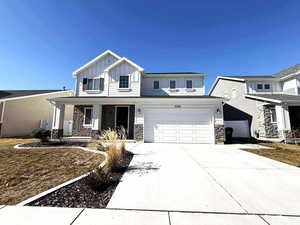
(42, 42)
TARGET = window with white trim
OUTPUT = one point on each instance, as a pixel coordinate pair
(156, 84)
(124, 82)
(267, 86)
(259, 86)
(172, 84)
(273, 115)
(189, 84)
(95, 84)
(87, 116)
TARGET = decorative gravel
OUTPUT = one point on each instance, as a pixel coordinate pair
(81, 195)
(55, 144)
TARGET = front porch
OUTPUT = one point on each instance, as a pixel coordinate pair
(280, 121)
(90, 120)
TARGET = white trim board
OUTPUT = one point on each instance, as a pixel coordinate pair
(124, 60)
(31, 96)
(94, 60)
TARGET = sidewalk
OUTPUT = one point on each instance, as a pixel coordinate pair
(28, 215)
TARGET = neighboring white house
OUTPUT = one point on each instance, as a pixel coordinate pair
(22, 110)
(270, 104)
(112, 91)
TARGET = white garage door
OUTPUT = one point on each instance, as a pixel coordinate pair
(178, 126)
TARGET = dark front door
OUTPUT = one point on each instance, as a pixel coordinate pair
(122, 118)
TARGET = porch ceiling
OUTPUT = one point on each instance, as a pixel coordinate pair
(88, 100)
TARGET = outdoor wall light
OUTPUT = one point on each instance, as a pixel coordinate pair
(139, 110)
(218, 111)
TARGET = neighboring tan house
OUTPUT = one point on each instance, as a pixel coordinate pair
(269, 104)
(155, 107)
(22, 110)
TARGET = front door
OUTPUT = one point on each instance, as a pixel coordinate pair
(122, 117)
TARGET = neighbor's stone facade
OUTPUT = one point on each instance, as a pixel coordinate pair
(138, 132)
(95, 134)
(78, 116)
(57, 133)
(271, 129)
(219, 134)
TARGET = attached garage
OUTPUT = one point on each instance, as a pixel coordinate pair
(183, 125)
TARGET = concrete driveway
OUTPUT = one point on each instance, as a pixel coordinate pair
(207, 179)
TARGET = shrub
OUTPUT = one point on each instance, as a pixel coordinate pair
(113, 158)
(42, 134)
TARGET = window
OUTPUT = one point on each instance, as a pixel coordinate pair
(267, 86)
(124, 82)
(95, 84)
(156, 84)
(189, 84)
(273, 115)
(234, 93)
(259, 86)
(87, 121)
(172, 84)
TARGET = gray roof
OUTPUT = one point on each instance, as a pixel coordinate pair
(247, 77)
(288, 71)
(148, 96)
(175, 73)
(277, 97)
(7, 94)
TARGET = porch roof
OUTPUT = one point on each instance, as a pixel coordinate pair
(135, 99)
(276, 98)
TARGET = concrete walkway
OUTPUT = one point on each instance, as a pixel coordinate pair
(29, 215)
(187, 184)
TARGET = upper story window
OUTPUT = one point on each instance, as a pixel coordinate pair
(124, 82)
(156, 84)
(267, 86)
(273, 115)
(87, 117)
(259, 86)
(172, 84)
(189, 84)
(96, 84)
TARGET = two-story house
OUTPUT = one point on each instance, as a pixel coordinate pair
(113, 92)
(269, 104)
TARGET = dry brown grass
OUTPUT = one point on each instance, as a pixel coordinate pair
(10, 142)
(25, 173)
(285, 153)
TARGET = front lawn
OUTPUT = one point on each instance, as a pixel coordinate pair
(25, 173)
(285, 153)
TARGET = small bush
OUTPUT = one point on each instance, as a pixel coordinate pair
(98, 179)
(113, 158)
(42, 134)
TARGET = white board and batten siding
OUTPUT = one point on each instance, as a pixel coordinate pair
(68, 124)
(240, 128)
(164, 86)
(124, 69)
(178, 125)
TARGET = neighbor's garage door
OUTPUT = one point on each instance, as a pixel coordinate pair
(178, 126)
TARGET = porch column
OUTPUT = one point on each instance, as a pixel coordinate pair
(58, 121)
(283, 120)
(138, 133)
(96, 121)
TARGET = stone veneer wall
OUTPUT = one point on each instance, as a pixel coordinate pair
(78, 116)
(219, 134)
(138, 132)
(271, 129)
(57, 133)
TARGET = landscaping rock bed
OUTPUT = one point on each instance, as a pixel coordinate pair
(81, 194)
(55, 144)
